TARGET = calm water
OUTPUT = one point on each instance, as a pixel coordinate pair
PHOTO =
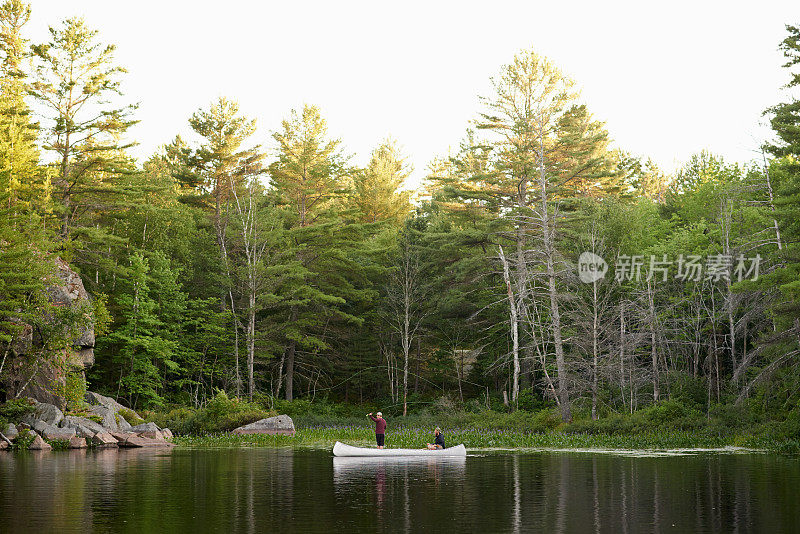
(263, 490)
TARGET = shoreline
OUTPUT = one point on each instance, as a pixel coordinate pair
(488, 441)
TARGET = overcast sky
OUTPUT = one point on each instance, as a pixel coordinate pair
(668, 78)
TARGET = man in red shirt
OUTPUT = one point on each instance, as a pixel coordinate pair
(380, 427)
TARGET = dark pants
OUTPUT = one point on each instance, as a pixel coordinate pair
(379, 439)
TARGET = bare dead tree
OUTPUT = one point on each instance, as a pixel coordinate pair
(257, 243)
(405, 297)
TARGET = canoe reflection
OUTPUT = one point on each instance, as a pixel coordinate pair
(366, 466)
(396, 475)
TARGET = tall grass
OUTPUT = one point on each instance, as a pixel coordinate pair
(473, 438)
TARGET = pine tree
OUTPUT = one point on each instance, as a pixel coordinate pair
(20, 177)
(308, 181)
(539, 146)
(782, 272)
(76, 82)
(377, 190)
(25, 264)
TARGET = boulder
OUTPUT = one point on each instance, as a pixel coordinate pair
(152, 434)
(82, 426)
(121, 436)
(280, 424)
(167, 433)
(3, 445)
(108, 416)
(55, 432)
(122, 424)
(145, 427)
(47, 430)
(11, 431)
(38, 444)
(104, 440)
(77, 443)
(101, 400)
(49, 413)
(139, 441)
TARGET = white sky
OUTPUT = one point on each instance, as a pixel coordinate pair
(668, 78)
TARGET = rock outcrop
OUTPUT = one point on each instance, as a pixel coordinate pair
(145, 427)
(49, 413)
(280, 424)
(107, 415)
(47, 430)
(49, 379)
(96, 399)
(140, 441)
(82, 426)
(122, 424)
(48, 422)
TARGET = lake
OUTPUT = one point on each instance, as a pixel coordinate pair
(280, 490)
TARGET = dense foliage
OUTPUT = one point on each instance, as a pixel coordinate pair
(300, 276)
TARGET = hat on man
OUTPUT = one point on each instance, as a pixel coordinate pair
(379, 414)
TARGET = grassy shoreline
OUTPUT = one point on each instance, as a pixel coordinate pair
(474, 438)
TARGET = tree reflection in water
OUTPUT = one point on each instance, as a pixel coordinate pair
(281, 490)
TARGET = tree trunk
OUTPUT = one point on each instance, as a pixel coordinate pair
(251, 344)
(594, 350)
(549, 251)
(512, 306)
(290, 371)
(416, 367)
(622, 352)
(653, 344)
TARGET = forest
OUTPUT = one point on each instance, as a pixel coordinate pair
(538, 266)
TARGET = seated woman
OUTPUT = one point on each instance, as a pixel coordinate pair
(438, 442)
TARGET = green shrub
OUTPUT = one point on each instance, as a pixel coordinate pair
(531, 402)
(131, 417)
(688, 390)
(15, 409)
(791, 426)
(176, 419)
(59, 444)
(24, 439)
(75, 390)
(220, 414)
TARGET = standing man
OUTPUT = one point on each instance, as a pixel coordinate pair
(380, 427)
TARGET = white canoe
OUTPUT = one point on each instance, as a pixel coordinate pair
(342, 449)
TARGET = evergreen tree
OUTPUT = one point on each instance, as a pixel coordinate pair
(20, 177)
(76, 82)
(377, 190)
(25, 264)
(307, 180)
(140, 347)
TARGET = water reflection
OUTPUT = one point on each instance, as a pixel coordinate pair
(272, 490)
(392, 477)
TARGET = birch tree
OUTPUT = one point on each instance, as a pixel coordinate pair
(222, 162)
(405, 297)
